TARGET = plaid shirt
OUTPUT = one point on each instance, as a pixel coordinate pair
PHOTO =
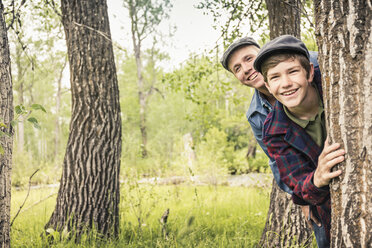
(296, 156)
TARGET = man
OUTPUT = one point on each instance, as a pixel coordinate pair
(238, 59)
(294, 131)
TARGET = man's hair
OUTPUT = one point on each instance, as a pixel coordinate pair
(275, 59)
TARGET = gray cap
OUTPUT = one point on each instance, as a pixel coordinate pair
(246, 41)
(281, 44)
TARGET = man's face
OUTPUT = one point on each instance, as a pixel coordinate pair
(241, 65)
(288, 83)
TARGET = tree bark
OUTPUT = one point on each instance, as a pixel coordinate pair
(285, 223)
(284, 17)
(6, 116)
(344, 37)
(89, 192)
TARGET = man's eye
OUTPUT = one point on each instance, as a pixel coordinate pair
(237, 69)
(248, 59)
(293, 71)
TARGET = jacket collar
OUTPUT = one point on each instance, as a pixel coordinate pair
(293, 134)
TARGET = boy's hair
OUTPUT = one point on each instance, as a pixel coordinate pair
(275, 59)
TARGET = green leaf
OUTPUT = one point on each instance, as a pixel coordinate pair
(34, 121)
(2, 150)
(38, 107)
(3, 125)
(18, 109)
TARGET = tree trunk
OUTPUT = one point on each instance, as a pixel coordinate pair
(284, 17)
(6, 142)
(285, 223)
(57, 127)
(251, 151)
(20, 90)
(141, 89)
(344, 36)
(89, 193)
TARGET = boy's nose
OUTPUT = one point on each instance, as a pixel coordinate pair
(286, 81)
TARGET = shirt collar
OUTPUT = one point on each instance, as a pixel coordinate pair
(259, 104)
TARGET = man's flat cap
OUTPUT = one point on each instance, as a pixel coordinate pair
(281, 44)
(247, 41)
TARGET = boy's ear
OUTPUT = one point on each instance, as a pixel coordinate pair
(268, 87)
(311, 73)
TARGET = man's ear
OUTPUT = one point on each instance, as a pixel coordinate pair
(268, 87)
(311, 73)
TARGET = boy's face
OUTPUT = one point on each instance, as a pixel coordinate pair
(288, 83)
(241, 65)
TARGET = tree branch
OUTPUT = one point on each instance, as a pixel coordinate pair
(28, 193)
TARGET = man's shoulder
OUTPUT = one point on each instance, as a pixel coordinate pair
(258, 108)
(255, 104)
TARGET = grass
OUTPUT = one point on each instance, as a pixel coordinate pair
(202, 216)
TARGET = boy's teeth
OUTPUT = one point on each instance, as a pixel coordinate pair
(289, 92)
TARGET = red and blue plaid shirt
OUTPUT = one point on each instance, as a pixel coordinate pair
(296, 156)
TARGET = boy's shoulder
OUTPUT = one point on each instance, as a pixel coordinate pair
(276, 121)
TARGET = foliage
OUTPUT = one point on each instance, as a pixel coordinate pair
(237, 18)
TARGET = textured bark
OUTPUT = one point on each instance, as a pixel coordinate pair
(6, 115)
(89, 193)
(285, 225)
(344, 37)
(284, 17)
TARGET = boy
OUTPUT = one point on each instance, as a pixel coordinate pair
(238, 59)
(294, 132)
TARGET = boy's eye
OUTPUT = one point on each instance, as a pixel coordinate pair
(273, 78)
(293, 71)
(237, 69)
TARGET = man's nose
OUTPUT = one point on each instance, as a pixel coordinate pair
(246, 67)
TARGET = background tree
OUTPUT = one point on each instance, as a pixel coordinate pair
(284, 17)
(89, 192)
(344, 38)
(6, 138)
(145, 16)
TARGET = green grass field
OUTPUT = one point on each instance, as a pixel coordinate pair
(200, 216)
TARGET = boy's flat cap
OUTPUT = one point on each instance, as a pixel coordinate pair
(281, 44)
(246, 41)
